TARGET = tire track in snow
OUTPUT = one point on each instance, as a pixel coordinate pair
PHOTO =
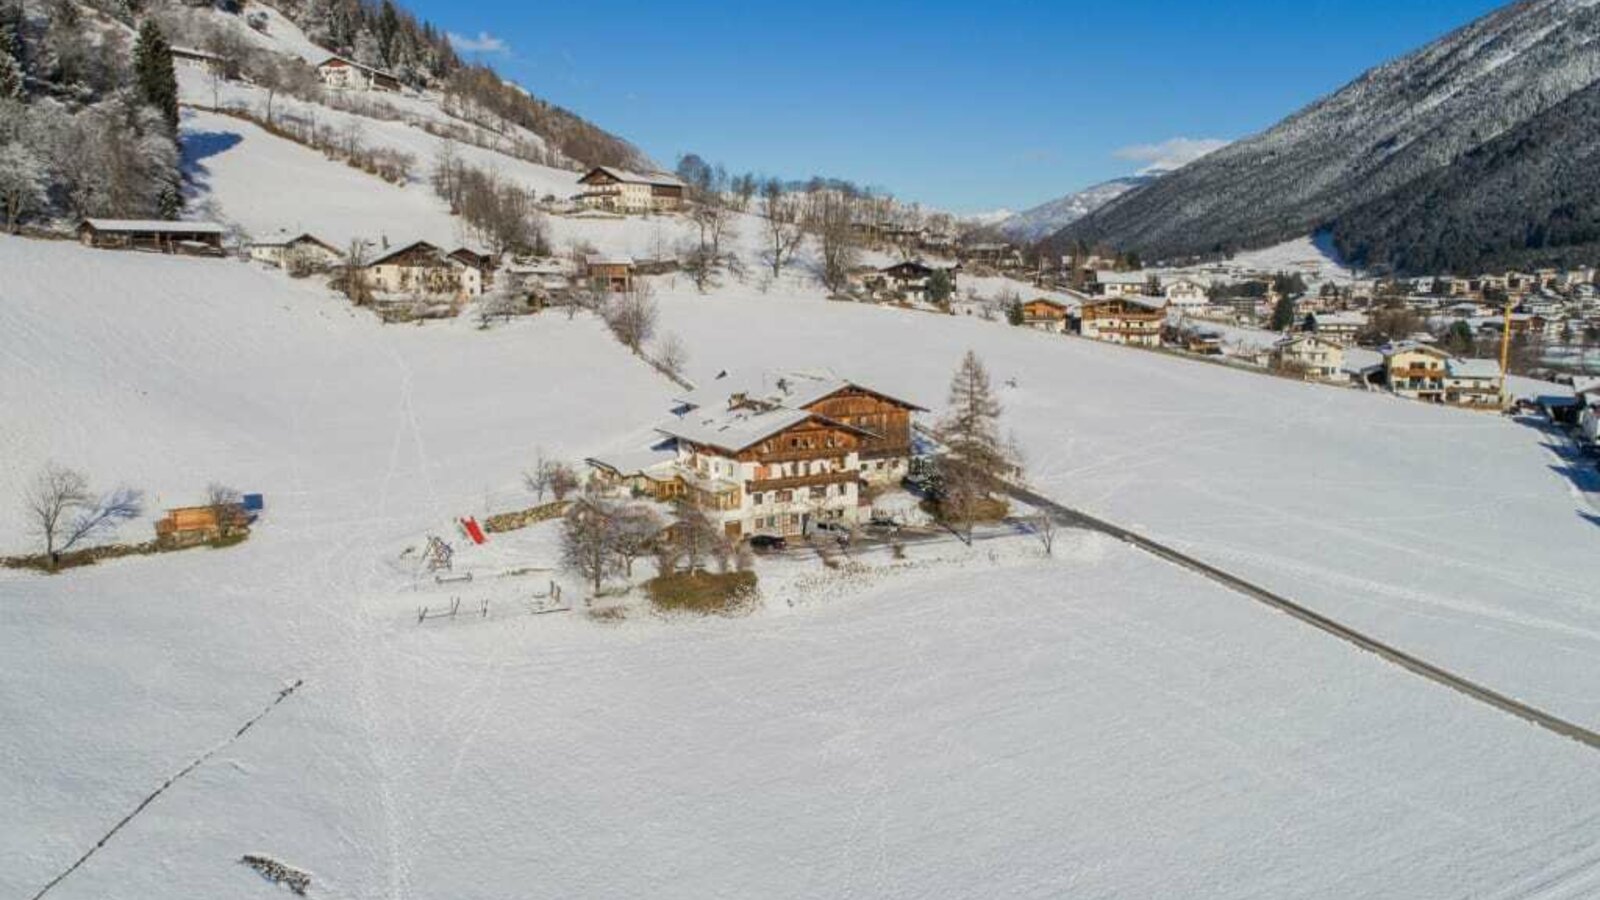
(1073, 518)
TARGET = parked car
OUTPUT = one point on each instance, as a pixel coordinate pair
(767, 542)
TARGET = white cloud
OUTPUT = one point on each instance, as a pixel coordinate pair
(1170, 154)
(483, 43)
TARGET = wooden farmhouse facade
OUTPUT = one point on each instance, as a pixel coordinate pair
(1045, 314)
(609, 273)
(1123, 320)
(772, 471)
(191, 238)
(420, 269)
(618, 190)
(773, 454)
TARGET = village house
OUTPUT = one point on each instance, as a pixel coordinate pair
(1120, 284)
(620, 191)
(191, 58)
(1123, 320)
(1046, 314)
(1338, 327)
(1317, 357)
(190, 238)
(608, 272)
(995, 255)
(912, 279)
(483, 262)
(1185, 293)
(1415, 371)
(1473, 383)
(423, 270)
(302, 252)
(338, 72)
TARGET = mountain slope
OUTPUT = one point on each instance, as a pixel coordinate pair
(1395, 124)
(1047, 218)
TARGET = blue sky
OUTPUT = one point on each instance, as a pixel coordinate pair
(965, 106)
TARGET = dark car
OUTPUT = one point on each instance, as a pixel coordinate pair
(767, 542)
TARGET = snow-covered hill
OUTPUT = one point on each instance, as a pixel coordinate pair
(1048, 218)
(1097, 722)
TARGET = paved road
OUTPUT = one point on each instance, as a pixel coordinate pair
(1073, 518)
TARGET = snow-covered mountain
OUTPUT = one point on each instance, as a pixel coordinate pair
(1431, 111)
(1048, 218)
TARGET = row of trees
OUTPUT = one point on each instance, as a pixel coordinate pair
(603, 538)
(501, 214)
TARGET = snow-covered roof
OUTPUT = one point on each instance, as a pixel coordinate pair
(1349, 319)
(1472, 368)
(158, 225)
(284, 239)
(733, 430)
(788, 389)
(652, 178)
(633, 462)
(414, 245)
(1104, 277)
(1410, 347)
(190, 51)
(608, 259)
(352, 63)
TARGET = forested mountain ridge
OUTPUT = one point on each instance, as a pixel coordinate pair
(89, 100)
(1409, 119)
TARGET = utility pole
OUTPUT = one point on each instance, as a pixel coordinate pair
(1505, 350)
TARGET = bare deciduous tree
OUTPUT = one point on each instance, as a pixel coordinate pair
(672, 356)
(588, 541)
(1044, 528)
(633, 534)
(64, 512)
(831, 220)
(632, 316)
(784, 229)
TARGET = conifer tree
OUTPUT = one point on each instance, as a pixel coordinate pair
(154, 79)
(975, 461)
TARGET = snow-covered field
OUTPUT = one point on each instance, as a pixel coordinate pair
(977, 722)
(1459, 535)
(968, 724)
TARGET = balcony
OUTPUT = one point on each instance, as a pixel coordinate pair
(800, 481)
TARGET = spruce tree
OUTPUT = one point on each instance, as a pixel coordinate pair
(154, 79)
(13, 82)
(1283, 313)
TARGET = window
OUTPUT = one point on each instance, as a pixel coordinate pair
(756, 499)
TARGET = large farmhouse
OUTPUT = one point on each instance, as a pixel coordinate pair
(618, 190)
(421, 269)
(338, 72)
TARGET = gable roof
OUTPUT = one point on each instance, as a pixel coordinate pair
(355, 65)
(160, 226)
(284, 239)
(607, 259)
(660, 179)
(739, 429)
(414, 245)
(786, 389)
(1472, 368)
